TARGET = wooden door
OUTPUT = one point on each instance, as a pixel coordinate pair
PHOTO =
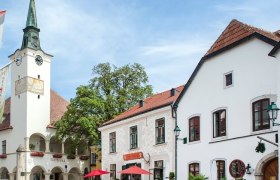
(271, 170)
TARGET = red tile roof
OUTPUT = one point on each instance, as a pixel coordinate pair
(236, 31)
(58, 106)
(154, 102)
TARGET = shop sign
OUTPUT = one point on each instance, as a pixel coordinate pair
(57, 160)
(131, 156)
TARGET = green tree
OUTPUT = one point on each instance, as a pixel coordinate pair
(110, 92)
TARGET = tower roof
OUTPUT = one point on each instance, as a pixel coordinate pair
(31, 17)
(31, 31)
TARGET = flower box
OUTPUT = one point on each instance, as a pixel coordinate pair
(39, 154)
(83, 157)
(57, 155)
(3, 156)
(71, 156)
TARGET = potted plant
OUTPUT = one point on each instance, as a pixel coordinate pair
(57, 155)
(31, 146)
(38, 154)
(171, 175)
(197, 177)
(3, 156)
(71, 156)
(84, 157)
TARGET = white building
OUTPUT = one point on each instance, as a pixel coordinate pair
(141, 136)
(222, 108)
(29, 149)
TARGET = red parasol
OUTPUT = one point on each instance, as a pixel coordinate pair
(134, 170)
(96, 172)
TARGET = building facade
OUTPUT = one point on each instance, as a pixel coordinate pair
(141, 136)
(29, 148)
(223, 108)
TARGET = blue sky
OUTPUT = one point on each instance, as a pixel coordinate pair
(167, 37)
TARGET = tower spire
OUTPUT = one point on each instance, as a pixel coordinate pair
(31, 17)
(31, 31)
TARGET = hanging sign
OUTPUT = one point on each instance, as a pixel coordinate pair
(131, 156)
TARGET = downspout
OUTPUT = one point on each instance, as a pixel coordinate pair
(174, 115)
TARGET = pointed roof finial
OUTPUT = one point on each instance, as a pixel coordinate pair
(31, 17)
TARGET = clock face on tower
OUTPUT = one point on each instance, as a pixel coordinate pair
(38, 60)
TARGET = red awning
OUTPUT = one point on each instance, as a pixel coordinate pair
(96, 172)
(134, 170)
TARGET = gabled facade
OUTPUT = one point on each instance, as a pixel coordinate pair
(29, 148)
(222, 108)
(141, 136)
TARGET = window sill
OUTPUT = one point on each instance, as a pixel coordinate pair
(161, 144)
(262, 131)
(112, 152)
(218, 138)
(194, 142)
(134, 149)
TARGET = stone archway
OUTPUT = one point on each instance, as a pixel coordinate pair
(37, 173)
(56, 173)
(264, 163)
(74, 174)
(4, 173)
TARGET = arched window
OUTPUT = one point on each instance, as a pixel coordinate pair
(194, 129)
(194, 169)
(260, 115)
(221, 173)
(219, 123)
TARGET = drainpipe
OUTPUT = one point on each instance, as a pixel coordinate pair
(176, 139)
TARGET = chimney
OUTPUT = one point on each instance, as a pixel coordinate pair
(277, 33)
(172, 92)
(141, 103)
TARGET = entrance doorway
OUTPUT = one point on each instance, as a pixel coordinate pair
(271, 170)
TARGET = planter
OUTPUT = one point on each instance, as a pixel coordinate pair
(38, 154)
(57, 155)
(3, 156)
(71, 156)
(84, 157)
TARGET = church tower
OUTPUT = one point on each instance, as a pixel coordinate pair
(30, 83)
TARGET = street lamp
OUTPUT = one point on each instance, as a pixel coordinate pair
(177, 131)
(272, 110)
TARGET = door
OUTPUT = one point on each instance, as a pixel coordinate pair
(271, 170)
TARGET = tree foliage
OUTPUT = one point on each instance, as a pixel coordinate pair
(111, 91)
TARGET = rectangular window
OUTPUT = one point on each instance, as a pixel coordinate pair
(112, 137)
(4, 147)
(194, 169)
(93, 158)
(133, 137)
(228, 79)
(219, 123)
(194, 129)
(260, 115)
(160, 131)
(220, 169)
(112, 171)
(158, 170)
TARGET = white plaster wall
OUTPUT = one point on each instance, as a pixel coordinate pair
(254, 76)
(146, 142)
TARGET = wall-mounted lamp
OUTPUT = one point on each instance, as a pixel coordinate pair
(177, 131)
(272, 110)
(65, 168)
(249, 169)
